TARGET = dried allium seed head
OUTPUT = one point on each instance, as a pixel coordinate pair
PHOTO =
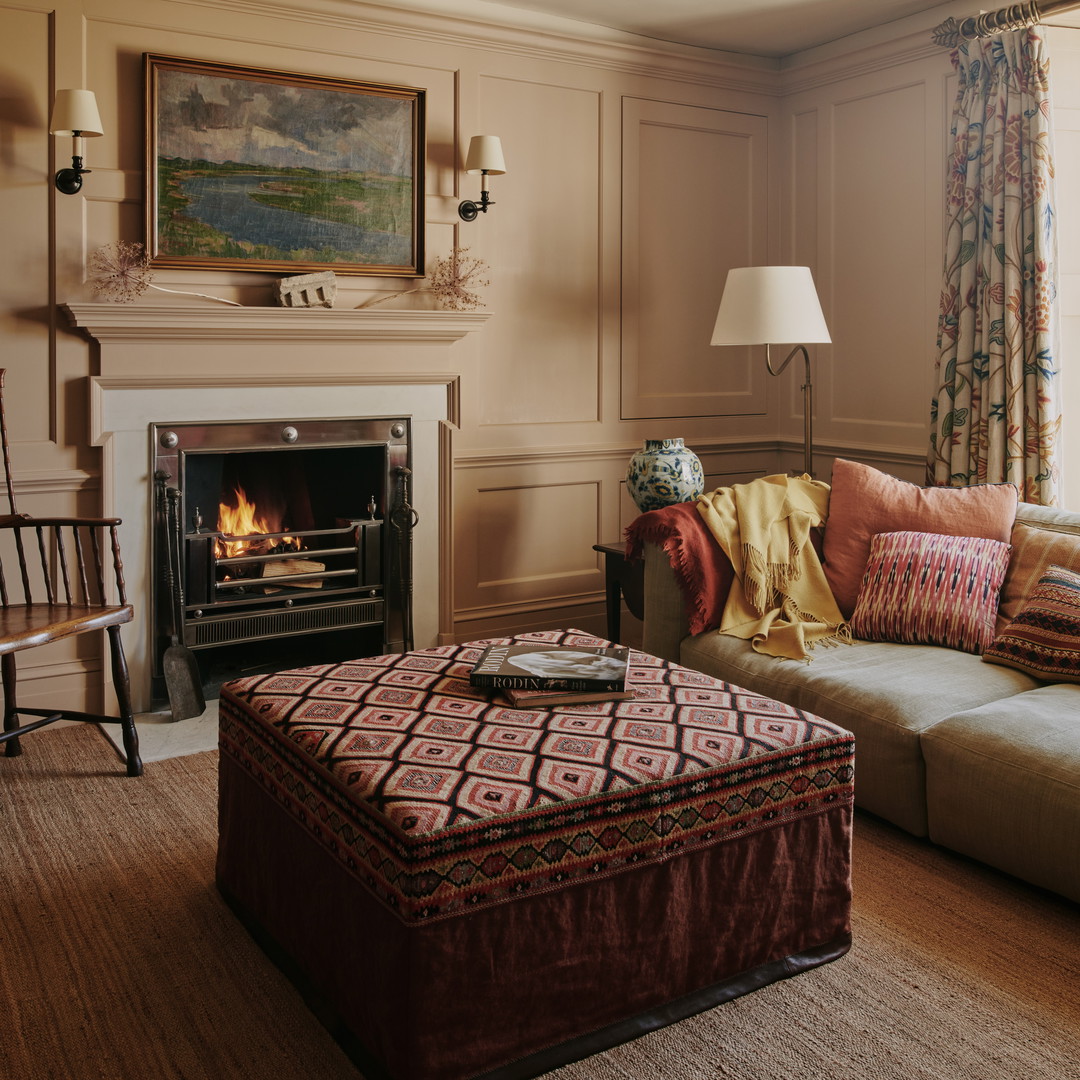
(119, 271)
(455, 279)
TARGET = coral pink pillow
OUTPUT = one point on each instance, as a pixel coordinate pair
(865, 502)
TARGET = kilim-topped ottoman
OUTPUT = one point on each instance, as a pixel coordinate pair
(476, 890)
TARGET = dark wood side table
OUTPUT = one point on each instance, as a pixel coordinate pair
(623, 580)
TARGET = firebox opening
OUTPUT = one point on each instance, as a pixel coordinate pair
(277, 556)
(295, 490)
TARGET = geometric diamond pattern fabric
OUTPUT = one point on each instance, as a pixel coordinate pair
(442, 798)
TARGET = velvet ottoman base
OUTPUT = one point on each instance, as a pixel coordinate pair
(518, 987)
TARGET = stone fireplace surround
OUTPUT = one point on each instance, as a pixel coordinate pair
(270, 364)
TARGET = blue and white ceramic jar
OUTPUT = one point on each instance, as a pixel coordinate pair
(664, 472)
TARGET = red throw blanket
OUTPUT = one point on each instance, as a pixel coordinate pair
(702, 569)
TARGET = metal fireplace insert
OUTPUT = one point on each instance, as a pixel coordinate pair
(281, 543)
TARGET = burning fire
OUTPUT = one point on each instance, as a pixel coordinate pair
(245, 519)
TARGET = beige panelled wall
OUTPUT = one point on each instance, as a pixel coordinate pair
(869, 139)
(47, 424)
(695, 198)
(540, 445)
(878, 145)
(866, 199)
(544, 242)
(637, 174)
(27, 345)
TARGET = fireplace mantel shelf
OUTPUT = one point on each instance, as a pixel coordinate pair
(189, 322)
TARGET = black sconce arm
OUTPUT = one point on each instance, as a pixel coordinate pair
(468, 209)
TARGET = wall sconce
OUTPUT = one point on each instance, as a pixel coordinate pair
(764, 305)
(75, 113)
(486, 158)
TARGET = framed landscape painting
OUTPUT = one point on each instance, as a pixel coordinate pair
(265, 170)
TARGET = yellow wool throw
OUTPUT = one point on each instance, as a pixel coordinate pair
(784, 605)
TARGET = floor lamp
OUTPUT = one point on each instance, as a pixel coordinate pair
(769, 305)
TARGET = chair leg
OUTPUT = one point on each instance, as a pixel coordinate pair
(122, 686)
(11, 714)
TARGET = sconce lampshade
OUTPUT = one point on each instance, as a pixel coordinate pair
(764, 305)
(485, 155)
(75, 111)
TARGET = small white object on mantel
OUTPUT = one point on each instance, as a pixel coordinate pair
(308, 290)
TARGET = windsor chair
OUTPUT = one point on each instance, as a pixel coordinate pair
(65, 568)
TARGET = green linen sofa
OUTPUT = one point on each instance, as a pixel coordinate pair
(981, 758)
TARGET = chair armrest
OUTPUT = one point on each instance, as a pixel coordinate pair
(665, 623)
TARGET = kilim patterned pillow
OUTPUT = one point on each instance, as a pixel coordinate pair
(931, 589)
(1044, 638)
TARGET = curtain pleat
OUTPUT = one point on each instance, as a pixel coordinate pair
(996, 415)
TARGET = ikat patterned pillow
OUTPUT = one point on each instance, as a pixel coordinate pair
(931, 589)
(1044, 638)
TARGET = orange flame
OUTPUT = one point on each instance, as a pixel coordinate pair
(244, 519)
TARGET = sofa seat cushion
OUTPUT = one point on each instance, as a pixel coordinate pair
(886, 694)
(1003, 785)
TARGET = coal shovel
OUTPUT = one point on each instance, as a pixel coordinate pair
(179, 666)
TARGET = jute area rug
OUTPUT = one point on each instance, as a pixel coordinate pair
(119, 960)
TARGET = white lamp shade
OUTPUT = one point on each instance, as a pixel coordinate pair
(485, 155)
(75, 111)
(769, 305)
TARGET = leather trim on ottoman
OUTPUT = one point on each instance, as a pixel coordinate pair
(470, 885)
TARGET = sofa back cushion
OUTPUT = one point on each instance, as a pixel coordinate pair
(930, 589)
(1041, 537)
(865, 502)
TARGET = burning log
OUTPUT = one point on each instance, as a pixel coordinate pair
(282, 567)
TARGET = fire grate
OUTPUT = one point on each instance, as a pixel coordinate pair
(268, 530)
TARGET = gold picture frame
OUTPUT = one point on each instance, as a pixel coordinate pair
(252, 169)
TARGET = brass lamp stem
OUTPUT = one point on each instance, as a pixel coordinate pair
(808, 403)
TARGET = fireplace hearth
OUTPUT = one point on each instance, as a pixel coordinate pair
(280, 543)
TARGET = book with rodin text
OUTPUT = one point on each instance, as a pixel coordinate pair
(541, 699)
(551, 667)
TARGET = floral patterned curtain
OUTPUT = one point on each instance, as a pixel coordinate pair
(995, 416)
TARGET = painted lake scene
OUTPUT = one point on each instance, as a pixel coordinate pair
(262, 171)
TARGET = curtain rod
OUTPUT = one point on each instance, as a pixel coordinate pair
(950, 33)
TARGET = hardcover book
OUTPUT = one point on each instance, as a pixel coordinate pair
(530, 699)
(551, 667)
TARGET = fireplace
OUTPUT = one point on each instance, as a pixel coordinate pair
(281, 542)
(213, 364)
